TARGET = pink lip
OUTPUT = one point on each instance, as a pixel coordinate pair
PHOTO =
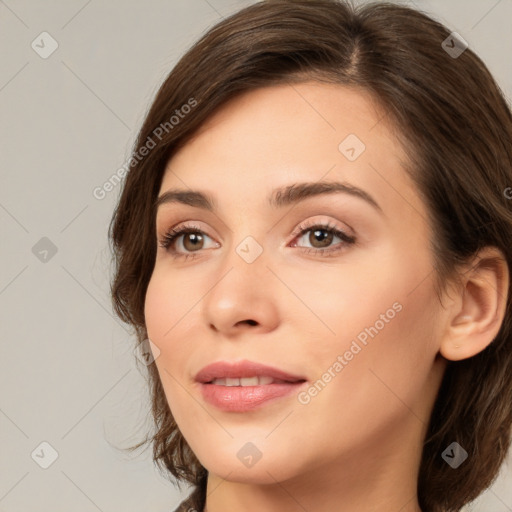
(245, 398)
(239, 369)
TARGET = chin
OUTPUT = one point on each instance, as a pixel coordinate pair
(240, 468)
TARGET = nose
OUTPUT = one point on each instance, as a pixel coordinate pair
(243, 296)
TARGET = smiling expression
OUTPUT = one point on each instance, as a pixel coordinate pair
(302, 229)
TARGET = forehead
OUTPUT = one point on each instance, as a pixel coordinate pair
(270, 137)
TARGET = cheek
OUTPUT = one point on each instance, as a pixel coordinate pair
(165, 316)
(349, 297)
(159, 304)
(168, 304)
(154, 308)
(383, 377)
(382, 314)
(399, 348)
(411, 340)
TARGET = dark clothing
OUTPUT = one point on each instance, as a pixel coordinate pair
(196, 501)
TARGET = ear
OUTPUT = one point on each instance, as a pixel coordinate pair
(477, 312)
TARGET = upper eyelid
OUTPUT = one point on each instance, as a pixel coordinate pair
(301, 226)
(181, 229)
(325, 224)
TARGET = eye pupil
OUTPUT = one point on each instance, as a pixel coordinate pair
(194, 238)
(322, 236)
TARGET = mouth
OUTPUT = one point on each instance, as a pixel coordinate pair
(245, 385)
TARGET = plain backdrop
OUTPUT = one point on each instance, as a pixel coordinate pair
(68, 377)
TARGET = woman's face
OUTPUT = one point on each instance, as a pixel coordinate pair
(265, 278)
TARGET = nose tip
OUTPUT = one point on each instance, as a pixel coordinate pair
(242, 300)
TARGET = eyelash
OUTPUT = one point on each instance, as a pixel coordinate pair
(170, 237)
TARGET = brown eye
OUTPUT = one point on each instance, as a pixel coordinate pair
(186, 241)
(320, 238)
(193, 241)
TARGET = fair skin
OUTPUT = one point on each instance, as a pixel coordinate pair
(356, 445)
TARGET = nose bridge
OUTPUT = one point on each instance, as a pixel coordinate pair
(244, 268)
(246, 252)
(242, 290)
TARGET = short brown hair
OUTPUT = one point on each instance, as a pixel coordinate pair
(456, 128)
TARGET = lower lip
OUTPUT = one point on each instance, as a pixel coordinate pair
(246, 398)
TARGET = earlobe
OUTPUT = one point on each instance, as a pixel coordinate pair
(477, 313)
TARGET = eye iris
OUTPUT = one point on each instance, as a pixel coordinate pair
(322, 236)
(195, 238)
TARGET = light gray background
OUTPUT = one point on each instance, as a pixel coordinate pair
(67, 373)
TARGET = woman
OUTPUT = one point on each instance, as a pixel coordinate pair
(314, 241)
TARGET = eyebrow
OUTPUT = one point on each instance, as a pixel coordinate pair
(279, 198)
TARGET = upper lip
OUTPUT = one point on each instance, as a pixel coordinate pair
(240, 369)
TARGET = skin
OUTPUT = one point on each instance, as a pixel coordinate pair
(356, 445)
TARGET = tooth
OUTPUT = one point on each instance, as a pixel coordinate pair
(249, 381)
(245, 381)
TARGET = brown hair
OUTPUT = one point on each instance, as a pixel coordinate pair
(456, 128)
